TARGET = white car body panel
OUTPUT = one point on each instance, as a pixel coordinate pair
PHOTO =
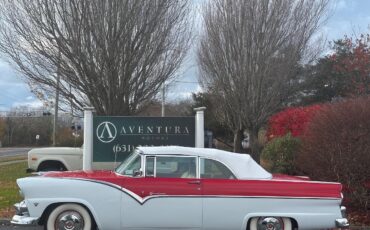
(44, 191)
(70, 157)
(240, 210)
(163, 212)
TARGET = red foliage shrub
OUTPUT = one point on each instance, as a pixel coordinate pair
(336, 147)
(352, 61)
(293, 120)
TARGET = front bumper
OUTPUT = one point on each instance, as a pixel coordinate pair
(24, 220)
(22, 216)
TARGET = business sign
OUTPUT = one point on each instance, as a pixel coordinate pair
(116, 137)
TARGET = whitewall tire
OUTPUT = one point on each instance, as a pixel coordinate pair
(270, 223)
(68, 217)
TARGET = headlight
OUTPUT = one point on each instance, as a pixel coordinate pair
(21, 208)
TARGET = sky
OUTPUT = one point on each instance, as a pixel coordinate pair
(347, 17)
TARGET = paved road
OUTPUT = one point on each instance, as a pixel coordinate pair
(10, 227)
(8, 152)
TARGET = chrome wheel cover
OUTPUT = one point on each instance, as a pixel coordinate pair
(69, 220)
(270, 223)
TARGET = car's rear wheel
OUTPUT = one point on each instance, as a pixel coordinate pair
(270, 223)
(69, 217)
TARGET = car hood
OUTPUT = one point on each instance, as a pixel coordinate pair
(56, 150)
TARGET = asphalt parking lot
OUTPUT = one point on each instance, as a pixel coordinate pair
(5, 225)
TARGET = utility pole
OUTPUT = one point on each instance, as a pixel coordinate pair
(163, 98)
(55, 125)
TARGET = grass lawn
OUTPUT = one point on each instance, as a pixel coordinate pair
(8, 159)
(8, 188)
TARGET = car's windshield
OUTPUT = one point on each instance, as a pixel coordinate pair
(130, 166)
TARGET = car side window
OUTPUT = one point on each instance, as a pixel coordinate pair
(149, 166)
(175, 167)
(213, 169)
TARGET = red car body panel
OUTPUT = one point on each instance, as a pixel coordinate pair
(279, 186)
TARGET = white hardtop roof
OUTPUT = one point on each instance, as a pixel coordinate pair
(242, 165)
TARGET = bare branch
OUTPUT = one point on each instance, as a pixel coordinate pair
(113, 54)
(249, 52)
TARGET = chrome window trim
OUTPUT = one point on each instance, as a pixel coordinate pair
(198, 167)
(143, 165)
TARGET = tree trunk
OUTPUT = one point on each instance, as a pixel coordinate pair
(254, 144)
(238, 135)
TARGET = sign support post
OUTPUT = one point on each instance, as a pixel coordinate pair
(199, 127)
(88, 139)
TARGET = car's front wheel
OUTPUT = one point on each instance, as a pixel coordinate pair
(68, 217)
(270, 223)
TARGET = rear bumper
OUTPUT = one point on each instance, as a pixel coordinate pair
(22, 217)
(342, 223)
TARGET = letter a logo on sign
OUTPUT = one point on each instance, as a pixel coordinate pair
(106, 132)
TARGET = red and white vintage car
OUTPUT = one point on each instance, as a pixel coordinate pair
(179, 188)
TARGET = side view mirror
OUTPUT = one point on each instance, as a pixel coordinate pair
(137, 172)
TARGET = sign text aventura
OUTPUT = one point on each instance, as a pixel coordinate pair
(155, 130)
(118, 136)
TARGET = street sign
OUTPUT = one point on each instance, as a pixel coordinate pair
(115, 137)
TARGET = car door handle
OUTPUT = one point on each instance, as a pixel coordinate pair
(194, 182)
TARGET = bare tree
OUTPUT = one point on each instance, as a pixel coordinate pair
(111, 54)
(249, 52)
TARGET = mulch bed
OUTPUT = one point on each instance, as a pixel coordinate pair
(359, 217)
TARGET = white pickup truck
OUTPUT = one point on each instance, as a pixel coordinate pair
(54, 159)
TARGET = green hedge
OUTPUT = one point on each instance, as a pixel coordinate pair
(279, 154)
